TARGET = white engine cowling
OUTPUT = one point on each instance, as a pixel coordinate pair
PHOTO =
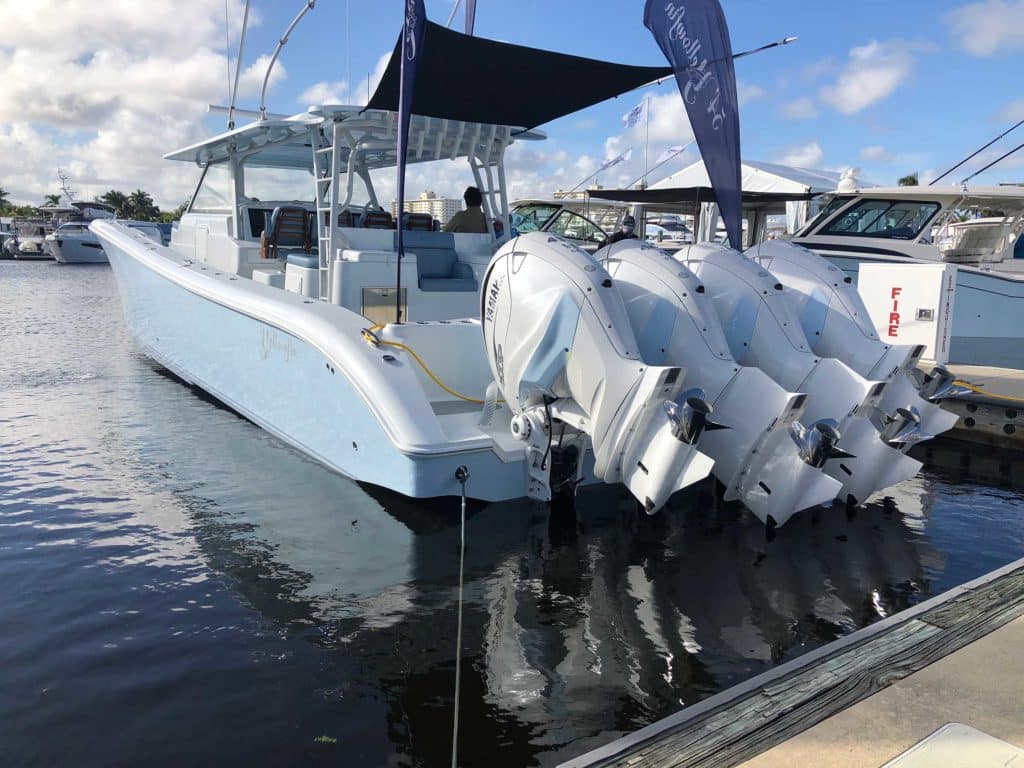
(763, 330)
(836, 322)
(560, 347)
(674, 323)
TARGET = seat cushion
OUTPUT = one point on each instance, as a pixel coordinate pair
(304, 260)
(435, 262)
(447, 285)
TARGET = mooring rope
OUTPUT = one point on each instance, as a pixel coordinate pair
(462, 475)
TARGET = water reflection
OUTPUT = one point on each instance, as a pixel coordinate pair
(172, 569)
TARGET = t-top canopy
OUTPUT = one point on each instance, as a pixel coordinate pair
(483, 81)
(686, 199)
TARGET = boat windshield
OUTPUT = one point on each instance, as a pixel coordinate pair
(532, 217)
(576, 227)
(894, 219)
(263, 183)
(214, 192)
(833, 205)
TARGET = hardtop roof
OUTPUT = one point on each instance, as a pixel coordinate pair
(285, 142)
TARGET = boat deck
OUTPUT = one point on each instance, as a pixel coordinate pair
(844, 691)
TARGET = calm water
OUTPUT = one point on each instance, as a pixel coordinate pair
(178, 588)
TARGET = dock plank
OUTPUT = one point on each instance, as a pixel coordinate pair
(736, 725)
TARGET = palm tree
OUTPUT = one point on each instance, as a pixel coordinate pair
(909, 181)
(141, 206)
(51, 201)
(116, 200)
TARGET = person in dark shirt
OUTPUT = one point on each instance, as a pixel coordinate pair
(472, 219)
(627, 231)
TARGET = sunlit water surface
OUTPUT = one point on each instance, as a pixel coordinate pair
(179, 588)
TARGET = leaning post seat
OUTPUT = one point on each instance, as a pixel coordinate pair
(378, 220)
(289, 228)
(417, 222)
(437, 264)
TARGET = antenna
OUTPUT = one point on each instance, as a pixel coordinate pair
(65, 186)
(238, 62)
(277, 52)
(348, 49)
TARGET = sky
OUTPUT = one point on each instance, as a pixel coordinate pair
(889, 88)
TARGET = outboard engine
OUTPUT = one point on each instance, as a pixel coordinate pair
(763, 330)
(566, 361)
(837, 324)
(674, 322)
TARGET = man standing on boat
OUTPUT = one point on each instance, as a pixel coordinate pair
(472, 219)
(627, 230)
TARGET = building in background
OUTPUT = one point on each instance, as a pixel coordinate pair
(441, 208)
(575, 194)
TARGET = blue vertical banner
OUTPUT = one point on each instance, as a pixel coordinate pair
(470, 16)
(694, 37)
(412, 51)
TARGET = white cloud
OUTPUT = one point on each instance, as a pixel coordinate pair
(801, 155)
(871, 73)
(337, 91)
(748, 92)
(105, 95)
(802, 108)
(875, 154)
(1012, 112)
(989, 27)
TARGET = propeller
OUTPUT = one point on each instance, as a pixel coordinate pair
(940, 384)
(818, 442)
(904, 427)
(691, 419)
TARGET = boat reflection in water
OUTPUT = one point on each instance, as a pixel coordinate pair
(582, 621)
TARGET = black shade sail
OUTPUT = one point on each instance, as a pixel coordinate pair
(688, 198)
(482, 81)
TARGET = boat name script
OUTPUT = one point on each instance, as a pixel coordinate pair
(411, 21)
(700, 76)
(271, 341)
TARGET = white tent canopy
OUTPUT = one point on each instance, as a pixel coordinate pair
(759, 176)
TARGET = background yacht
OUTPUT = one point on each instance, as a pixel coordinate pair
(977, 229)
(73, 243)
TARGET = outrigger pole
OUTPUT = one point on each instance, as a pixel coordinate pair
(277, 51)
(238, 63)
(978, 152)
(994, 162)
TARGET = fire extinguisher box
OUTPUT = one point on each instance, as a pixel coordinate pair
(911, 304)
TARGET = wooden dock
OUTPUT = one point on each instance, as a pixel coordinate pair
(992, 410)
(752, 717)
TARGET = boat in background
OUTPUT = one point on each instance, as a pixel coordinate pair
(28, 241)
(971, 237)
(73, 243)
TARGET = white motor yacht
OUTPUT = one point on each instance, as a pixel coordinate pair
(73, 243)
(975, 228)
(500, 367)
(283, 309)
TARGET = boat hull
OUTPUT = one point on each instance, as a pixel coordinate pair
(280, 380)
(77, 250)
(986, 314)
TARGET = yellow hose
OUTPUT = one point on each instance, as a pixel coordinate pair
(986, 393)
(370, 337)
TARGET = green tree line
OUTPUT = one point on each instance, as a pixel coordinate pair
(135, 205)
